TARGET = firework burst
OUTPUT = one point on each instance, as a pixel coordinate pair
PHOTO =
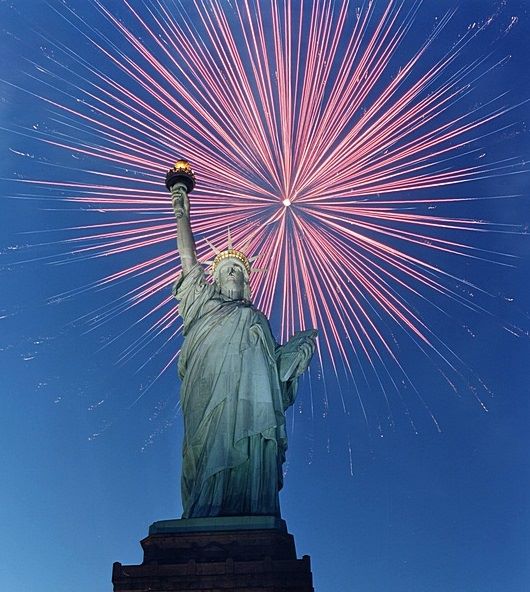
(317, 136)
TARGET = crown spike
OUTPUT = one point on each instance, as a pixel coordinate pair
(229, 236)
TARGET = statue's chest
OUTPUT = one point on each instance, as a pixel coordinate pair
(235, 325)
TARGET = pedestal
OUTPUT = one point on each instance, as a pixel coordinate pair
(243, 554)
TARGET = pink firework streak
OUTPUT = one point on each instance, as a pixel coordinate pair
(314, 138)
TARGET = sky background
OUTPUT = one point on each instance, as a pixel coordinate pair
(86, 470)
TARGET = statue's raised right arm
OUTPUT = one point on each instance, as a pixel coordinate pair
(185, 240)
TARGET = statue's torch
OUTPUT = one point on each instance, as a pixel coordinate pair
(180, 176)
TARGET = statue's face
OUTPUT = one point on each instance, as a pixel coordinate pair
(231, 279)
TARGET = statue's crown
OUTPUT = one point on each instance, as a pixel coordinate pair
(231, 253)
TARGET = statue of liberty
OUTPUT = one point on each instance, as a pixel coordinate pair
(237, 382)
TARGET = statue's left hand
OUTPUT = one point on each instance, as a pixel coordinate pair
(294, 356)
(306, 349)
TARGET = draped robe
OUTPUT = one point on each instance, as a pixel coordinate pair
(233, 403)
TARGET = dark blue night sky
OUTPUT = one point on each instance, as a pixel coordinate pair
(91, 441)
